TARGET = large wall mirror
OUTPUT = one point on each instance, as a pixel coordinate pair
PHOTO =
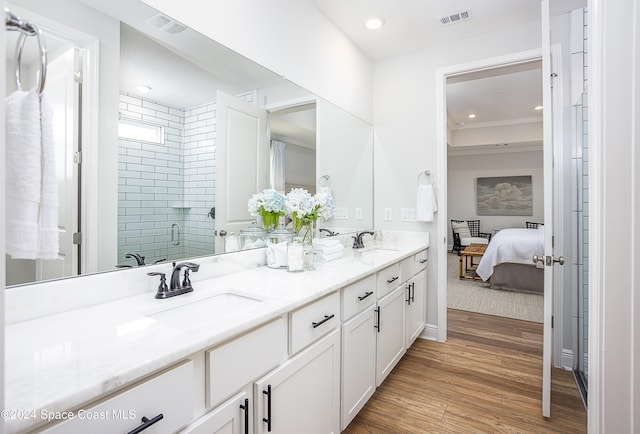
(158, 120)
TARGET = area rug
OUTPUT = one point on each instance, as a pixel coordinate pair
(476, 296)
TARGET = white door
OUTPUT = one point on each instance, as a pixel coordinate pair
(242, 161)
(390, 326)
(549, 259)
(61, 91)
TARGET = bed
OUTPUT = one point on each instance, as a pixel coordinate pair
(507, 262)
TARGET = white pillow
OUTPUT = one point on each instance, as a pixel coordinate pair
(462, 229)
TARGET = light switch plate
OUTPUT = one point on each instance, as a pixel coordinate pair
(388, 214)
(358, 213)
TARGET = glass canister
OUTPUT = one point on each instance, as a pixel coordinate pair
(295, 255)
(252, 237)
(277, 242)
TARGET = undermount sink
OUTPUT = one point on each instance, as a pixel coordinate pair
(206, 310)
(375, 248)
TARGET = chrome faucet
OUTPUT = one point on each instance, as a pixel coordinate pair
(357, 240)
(175, 288)
(174, 283)
(138, 257)
(329, 232)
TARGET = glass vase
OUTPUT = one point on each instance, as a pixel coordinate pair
(269, 220)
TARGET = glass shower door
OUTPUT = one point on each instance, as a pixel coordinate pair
(581, 245)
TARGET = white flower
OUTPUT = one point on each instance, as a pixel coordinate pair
(266, 201)
(300, 201)
(324, 204)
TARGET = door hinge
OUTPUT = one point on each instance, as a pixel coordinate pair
(78, 77)
(77, 157)
(553, 75)
(77, 238)
(552, 322)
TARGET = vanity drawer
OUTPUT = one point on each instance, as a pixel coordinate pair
(233, 365)
(388, 279)
(169, 394)
(358, 296)
(413, 264)
(313, 321)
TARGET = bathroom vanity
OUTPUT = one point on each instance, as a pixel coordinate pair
(256, 350)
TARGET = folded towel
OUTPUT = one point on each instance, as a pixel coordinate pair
(277, 254)
(425, 203)
(326, 242)
(326, 257)
(330, 249)
(31, 182)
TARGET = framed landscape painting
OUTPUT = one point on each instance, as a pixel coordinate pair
(504, 195)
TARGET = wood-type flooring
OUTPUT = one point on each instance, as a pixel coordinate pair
(487, 378)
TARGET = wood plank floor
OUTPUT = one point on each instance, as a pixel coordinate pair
(487, 378)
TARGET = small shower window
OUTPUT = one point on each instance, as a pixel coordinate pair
(141, 131)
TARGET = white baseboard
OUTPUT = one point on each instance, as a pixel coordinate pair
(567, 359)
(430, 332)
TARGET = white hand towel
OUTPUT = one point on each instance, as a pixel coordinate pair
(31, 182)
(330, 249)
(24, 174)
(426, 203)
(326, 257)
(49, 233)
(325, 242)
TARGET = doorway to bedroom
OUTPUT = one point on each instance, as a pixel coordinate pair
(494, 182)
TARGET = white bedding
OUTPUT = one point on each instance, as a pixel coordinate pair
(511, 245)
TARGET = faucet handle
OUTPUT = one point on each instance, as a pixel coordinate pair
(163, 289)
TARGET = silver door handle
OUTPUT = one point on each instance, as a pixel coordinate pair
(548, 260)
(222, 233)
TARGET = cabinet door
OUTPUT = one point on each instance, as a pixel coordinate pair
(416, 307)
(358, 363)
(234, 416)
(303, 394)
(390, 332)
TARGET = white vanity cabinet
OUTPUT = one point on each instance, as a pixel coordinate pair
(164, 403)
(358, 347)
(234, 416)
(390, 327)
(414, 269)
(303, 393)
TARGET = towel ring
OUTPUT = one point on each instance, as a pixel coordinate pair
(326, 178)
(43, 57)
(426, 174)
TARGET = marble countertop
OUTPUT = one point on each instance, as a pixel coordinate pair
(59, 362)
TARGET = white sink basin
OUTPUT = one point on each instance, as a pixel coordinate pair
(203, 311)
(375, 248)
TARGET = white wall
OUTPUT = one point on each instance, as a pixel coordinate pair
(307, 50)
(404, 115)
(2, 217)
(461, 186)
(614, 242)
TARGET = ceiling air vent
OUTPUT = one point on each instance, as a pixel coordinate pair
(455, 17)
(166, 24)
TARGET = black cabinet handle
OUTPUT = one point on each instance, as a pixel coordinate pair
(422, 261)
(326, 318)
(412, 291)
(146, 423)
(377, 326)
(408, 299)
(245, 407)
(268, 418)
(366, 294)
(393, 279)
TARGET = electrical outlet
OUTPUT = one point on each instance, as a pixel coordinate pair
(388, 214)
(341, 213)
(407, 214)
(358, 215)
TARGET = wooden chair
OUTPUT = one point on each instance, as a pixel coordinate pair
(462, 238)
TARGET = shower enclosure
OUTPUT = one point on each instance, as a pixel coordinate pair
(581, 246)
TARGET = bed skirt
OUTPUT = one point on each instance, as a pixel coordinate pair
(518, 277)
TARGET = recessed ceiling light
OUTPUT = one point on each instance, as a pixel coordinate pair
(144, 88)
(374, 23)
(471, 115)
(538, 107)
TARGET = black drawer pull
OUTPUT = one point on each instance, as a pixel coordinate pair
(393, 279)
(326, 318)
(412, 291)
(378, 315)
(422, 261)
(146, 423)
(268, 418)
(366, 294)
(245, 407)
(408, 299)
